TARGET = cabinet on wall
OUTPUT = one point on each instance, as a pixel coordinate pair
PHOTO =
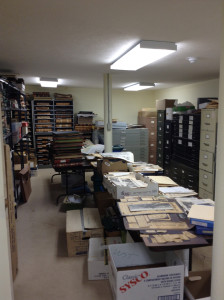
(207, 153)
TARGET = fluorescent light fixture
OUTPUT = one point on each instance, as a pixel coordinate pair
(139, 86)
(144, 53)
(49, 82)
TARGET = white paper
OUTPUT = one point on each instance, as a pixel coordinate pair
(175, 190)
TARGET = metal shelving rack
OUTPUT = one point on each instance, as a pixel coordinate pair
(50, 115)
(18, 143)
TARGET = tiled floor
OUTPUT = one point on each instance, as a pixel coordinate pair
(45, 271)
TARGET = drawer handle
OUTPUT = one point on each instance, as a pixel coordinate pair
(205, 184)
(204, 164)
(207, 123)
(206, 144)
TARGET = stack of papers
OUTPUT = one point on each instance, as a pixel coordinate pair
(186, 203)
(176, 191)
(163, 181)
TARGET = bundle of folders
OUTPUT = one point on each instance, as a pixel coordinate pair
(67, 149)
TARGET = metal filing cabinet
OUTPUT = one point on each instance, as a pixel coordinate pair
(135, 140)
(160, 137)
(207, 153)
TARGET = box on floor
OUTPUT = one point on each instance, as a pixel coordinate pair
(197, 286)
(135, 272)
(80, 226)
(98, 268)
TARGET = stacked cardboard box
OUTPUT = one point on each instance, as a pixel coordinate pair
(80, 226)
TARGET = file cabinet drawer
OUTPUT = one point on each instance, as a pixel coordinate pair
(206, 181)
(161, 115)
(206, 161)
(208, 119)
(208, 141)
(205, 194)
(152, 135)
(160, 142)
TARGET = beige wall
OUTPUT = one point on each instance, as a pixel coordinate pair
(125, 104)
(190, 92)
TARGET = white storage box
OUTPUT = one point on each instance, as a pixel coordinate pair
(135, 272)
(98, 268)
(150, 188)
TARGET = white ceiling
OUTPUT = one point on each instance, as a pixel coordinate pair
(77, 40)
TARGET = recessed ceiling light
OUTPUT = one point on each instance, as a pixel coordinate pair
(139, 86)
(144, 53)
(191, 59)
(48, 82)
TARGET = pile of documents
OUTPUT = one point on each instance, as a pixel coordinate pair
(144, 168)
(176, 191)
(161, 221)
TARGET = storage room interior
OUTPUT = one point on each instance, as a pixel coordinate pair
(87, 165)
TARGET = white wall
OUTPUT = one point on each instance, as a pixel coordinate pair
(125, 104)
(190, 92)
(6, 288)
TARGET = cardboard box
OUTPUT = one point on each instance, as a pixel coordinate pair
(25, 182)
(135, 272)
(80, 226)
(119, 192)
(107, 165)
(198, 289)
(98, 268)
(165, 103)
(145, 113)
(17, 158)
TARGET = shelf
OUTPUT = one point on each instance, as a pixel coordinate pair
(12, 86)
(43, 133)
(14, 109)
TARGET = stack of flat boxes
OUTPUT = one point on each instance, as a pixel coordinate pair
(207, 153)
(185, 158)
(160, 137)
